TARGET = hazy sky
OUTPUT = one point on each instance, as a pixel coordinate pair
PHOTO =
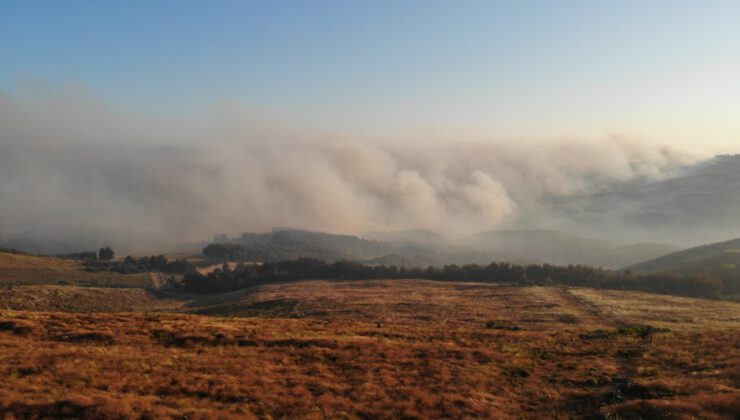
(667, 71)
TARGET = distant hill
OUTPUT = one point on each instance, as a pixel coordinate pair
(423, 248)
(554, 247)
(411, 236)
(720, 260)
(696, 204)
(282, 244)
(701, 259)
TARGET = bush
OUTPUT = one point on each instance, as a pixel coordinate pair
(105, 254)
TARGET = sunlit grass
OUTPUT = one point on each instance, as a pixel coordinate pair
(413, 349)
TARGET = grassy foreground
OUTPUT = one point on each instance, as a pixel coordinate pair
(406, 348)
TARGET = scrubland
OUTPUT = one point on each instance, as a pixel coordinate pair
(402, 349)
(83, 299)
(29, 269)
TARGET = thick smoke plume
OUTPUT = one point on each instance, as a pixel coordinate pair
(76, 170)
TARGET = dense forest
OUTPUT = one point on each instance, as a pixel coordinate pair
(226, 279)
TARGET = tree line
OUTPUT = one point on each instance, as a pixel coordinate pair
(103, 260)
(103, 254)
(225, 279)
(130, 265)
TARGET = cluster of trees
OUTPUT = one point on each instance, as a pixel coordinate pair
(104, 254)
(225, 279)
(103, 261)
(130, 265)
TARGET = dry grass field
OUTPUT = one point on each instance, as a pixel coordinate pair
(83, 299)
(30, 269)
(400, 349)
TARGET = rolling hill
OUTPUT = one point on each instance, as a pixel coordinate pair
(699, 259)
(30, 269)
(720, 261)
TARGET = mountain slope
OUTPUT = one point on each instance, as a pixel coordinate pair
(693, 260)
(720, 260)
(698, 204)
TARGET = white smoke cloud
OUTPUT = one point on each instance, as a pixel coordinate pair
(74, 168)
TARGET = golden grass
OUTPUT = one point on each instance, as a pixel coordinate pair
(661, 310)
(411, 349)
(30, 269)
(83, 299)
(411, 301)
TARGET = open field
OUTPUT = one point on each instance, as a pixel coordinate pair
(83, 299)
(30, 269)
(406, 348)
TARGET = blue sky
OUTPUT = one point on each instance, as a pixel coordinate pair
(663, 69)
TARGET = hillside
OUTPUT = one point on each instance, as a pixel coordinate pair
(30, 269)
(719, 260)
(697, 204)
(401, 349)
(693, 260)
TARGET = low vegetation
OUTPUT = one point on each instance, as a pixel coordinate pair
(83, 299)
(385, 348)
(19, 268)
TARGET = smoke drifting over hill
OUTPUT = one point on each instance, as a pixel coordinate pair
(76, 170)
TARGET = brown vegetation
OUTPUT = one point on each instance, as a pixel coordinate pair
(30, 269)
(412, 349)
(82, 299)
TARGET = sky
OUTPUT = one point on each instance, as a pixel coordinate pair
(148, 121)
(665, 71)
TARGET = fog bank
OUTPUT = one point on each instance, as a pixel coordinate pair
(76, 170)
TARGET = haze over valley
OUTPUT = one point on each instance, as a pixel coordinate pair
(418, 209)
(94, 175)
